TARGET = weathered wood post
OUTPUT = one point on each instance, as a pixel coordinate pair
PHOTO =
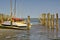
(28, 23)
(56, 21)
(57, 26)
(45, 19)
(42, 19)
(52, 21)
(48, 20)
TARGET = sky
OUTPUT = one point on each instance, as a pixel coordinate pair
(32, 8)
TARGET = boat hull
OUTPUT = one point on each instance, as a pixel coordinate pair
(16, 24)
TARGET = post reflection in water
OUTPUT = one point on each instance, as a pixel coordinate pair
(56, 34)
(52, 33)
(48, 32)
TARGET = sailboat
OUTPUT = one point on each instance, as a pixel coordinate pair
(16, 22)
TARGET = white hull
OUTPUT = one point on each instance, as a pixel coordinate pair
(8, 23)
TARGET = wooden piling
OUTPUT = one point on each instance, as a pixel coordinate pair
(44, 19)
(28, 23)
(52, 21)
(56, 21)
(48, 20)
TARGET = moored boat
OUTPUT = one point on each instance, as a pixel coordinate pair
(16, 22)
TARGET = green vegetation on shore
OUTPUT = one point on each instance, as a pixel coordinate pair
(4, 17)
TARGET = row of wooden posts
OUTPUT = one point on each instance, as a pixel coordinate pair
(49, 20)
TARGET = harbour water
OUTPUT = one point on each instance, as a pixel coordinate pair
(37, 32)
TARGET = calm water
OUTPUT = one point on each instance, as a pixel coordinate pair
(37, 32)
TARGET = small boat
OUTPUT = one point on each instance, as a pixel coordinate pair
(17, 23)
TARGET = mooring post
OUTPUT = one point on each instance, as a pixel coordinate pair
(28, 23)
(42, 19)
(56, 25)
(48, 20)
(45, 19)
(52, 21)
(56, 21)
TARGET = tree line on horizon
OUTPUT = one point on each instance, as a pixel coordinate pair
(4, 17)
